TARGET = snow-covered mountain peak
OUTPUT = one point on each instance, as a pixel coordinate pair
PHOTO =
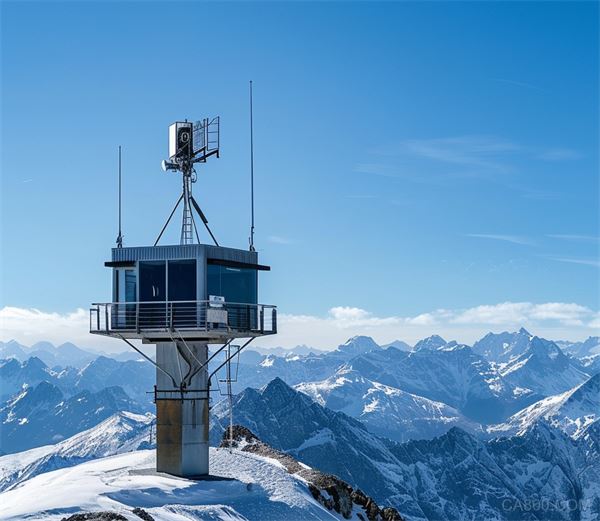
(544, 369)
(12, 349)
(430, 343)
(34, 363)
(544, 348)
(358, 345)
(43, 393)
(503, 347)
(453, 346)
(278, 390)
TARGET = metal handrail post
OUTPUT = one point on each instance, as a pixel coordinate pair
(262, 319)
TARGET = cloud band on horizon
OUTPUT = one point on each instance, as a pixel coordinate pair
(553, 320)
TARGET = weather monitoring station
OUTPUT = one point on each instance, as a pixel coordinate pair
(183, 298)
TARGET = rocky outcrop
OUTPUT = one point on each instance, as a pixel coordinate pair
(96, 516)
(108, 516)
(329, 490)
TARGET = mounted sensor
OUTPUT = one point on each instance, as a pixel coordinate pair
(181, 141)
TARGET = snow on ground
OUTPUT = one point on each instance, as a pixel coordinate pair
(122, 432)
(258, 488)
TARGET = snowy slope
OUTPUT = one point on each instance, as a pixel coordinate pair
(122, 432)
(544, 369)
(572, 411)
(258, 488)
(385, 410)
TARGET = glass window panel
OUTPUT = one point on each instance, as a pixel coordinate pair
(235, 284)
(182, 280)
(152, 281)
(130, 286)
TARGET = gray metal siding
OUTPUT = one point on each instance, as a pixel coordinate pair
(187, 251)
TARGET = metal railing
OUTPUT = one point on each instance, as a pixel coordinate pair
(190, 315)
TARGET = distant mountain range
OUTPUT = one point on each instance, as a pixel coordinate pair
(442, 430)
(398, 392)
(386, 411)
(42, 414)
(64, 355)
(135, 377)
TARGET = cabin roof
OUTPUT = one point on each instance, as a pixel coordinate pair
(124, 257)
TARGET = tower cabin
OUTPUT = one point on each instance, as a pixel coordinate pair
(182, 298)
(191, 291)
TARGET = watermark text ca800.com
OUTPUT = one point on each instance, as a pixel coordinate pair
(545, 505)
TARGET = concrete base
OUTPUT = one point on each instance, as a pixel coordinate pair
(182, 418)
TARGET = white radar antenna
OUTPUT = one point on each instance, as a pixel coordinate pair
(190, 143)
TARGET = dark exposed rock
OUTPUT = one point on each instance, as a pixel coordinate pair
(96, 516)
(329, 490)
(142, 514)
(390, 514)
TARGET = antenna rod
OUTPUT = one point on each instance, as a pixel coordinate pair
(120, 236)
(251, 173)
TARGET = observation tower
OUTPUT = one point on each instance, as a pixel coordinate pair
(182, 298)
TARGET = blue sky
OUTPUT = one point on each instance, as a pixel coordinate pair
(410, 157)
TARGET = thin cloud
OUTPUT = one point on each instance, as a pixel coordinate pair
(30, 325)
(559, 154)
(439, 161)
(515, 239)
(522, 84)
(586, 262)
(574, 237)
(277, 239)
(467, 151)
(551, 319)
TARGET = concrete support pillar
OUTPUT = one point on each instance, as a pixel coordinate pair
(182, 418)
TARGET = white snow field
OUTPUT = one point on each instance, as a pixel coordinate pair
(122, 432)
(258, 489)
